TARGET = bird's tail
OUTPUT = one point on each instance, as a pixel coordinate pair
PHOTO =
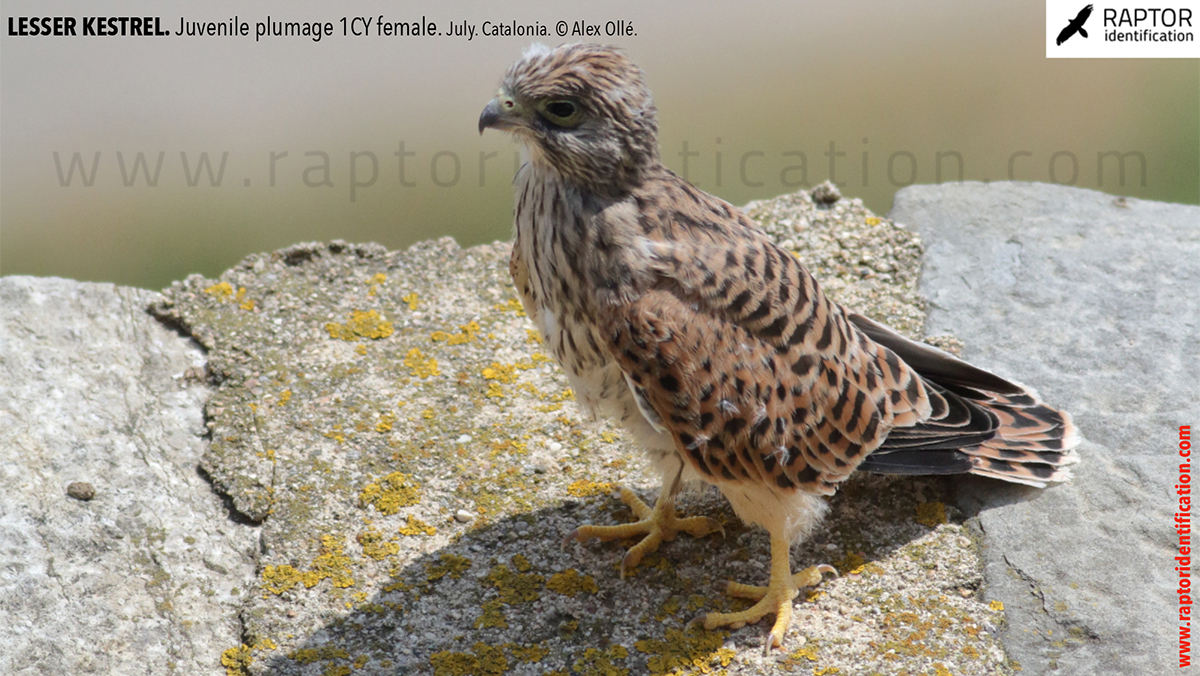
(1034, 444)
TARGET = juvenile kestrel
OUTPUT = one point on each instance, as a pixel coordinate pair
(672, 312)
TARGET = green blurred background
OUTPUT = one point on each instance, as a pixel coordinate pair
(754, 89)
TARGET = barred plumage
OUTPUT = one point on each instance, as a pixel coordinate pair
(672, 312)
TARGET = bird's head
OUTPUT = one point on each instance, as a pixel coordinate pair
(583, 111)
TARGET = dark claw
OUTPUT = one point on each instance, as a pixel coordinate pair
(573, 535)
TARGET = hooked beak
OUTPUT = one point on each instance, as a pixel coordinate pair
(502, 112)
(490, 116)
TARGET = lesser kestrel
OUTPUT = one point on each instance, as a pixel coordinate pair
(673, 313)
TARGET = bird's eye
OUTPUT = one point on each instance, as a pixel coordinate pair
(562, 112)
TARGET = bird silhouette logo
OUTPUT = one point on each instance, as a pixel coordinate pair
(1076, 26)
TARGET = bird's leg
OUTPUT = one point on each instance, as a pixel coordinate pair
(658, 524)
(775, 598)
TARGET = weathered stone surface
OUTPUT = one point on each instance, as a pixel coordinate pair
(414, 470)
(146, 576)
(1094, 300)
(417, 460)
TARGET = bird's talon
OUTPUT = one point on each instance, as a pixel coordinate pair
(573, 535)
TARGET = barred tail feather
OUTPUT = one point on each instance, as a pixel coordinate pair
(980, 423)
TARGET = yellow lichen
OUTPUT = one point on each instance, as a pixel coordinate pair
(412, 299)
(237, 660)
(570, 582)
(421, 367)
(505, 373)
(852, 562)
(596, 662)
(521, 563)
(483, 660)
(931, 514)
(872, 220)
(374, 546)
(492, 617)
(391, 493)
(585, 488)
(509, 447)
(532, 336)
(284, 397)
(385, 422)
(515, 588)
(494, 391)
(222, 291)
(416, 526)
(242, 301)
(693, 649)
(330, 563)
(360, 325)
(374, 282)
(530, 654)
(448, 564)
(512, 305)
(466, 334)
(996, 605)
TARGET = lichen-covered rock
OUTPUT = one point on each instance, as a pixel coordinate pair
(414, 459)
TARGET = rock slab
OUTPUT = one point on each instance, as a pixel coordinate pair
(1095, 301)
(116, 557)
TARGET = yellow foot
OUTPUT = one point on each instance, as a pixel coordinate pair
(774, 599)
(658, 524)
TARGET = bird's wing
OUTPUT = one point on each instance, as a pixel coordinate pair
(754, 372)
(1065, 33)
